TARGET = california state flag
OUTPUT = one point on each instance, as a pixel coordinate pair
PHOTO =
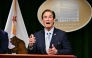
(15, 28)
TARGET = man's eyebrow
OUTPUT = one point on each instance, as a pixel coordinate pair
(51, 15)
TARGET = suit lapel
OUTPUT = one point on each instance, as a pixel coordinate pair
(43, 40)
(53, 37)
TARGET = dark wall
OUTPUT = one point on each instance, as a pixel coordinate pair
(80, 40)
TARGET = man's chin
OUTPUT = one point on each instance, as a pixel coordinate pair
(48, 27)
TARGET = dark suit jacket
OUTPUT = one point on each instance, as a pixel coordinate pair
(59, 39)
(3, 42)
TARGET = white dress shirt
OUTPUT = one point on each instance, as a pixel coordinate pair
(48, 40)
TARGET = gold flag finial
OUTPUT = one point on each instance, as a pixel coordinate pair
(15, 8)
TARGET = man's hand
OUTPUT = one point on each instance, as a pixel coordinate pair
(52, 51)
(31, 40)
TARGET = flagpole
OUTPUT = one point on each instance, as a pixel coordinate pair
(14, 19)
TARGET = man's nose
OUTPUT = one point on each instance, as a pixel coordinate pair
(47, 19)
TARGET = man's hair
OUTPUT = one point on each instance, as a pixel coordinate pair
(48, 10)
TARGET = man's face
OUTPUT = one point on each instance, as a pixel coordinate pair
(48, 20)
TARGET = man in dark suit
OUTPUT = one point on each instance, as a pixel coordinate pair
(3, 42)
(50, 40)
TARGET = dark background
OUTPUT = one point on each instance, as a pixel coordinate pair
(80, 40)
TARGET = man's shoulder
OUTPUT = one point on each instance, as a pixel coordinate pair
(2, 32)
(59, 30)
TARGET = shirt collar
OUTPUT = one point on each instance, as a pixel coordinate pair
(51, 31)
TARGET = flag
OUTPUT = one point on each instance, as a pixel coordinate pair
(15, 26)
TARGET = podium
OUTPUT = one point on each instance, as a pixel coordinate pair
(34, 56)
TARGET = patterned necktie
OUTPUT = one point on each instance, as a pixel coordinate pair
(47, 41)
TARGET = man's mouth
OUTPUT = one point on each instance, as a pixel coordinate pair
(47, 22)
